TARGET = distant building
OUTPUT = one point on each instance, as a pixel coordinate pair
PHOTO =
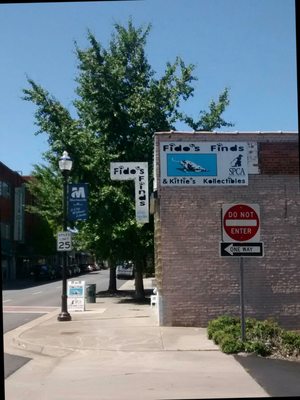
(17, 225)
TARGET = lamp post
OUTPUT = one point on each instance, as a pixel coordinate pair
(65, 165)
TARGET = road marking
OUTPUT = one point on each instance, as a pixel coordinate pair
(36, 292)
(5, 301)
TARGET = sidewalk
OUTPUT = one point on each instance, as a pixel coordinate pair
(116, 350)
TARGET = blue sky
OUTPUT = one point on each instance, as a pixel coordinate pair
(246, 45)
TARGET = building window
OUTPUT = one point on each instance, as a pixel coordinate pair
(4, 189)
(5, 231)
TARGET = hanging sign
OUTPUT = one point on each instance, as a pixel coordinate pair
(203, 163)
(137, 171)
(78, 201)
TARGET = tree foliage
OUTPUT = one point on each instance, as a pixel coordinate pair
(120, 104)
(210, 120)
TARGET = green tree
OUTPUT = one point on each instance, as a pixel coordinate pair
(120, 104)
(210, 120)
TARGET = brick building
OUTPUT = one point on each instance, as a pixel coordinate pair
(195, 284)
(17, 226)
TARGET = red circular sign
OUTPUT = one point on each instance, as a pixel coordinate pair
(241, 222)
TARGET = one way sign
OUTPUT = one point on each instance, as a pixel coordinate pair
(236, 249)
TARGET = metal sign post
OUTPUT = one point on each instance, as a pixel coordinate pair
(242, 307)
(241, 238)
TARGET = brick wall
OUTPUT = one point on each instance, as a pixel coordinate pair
(196, 284)
(279, 158)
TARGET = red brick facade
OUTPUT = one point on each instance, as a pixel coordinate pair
(279, 158)
(195, 284)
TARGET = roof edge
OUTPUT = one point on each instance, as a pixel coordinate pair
(227, 133)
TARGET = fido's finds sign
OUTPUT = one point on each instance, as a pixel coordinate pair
(203, 163)
(137, 171)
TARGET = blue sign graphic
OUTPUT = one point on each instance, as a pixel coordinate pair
(76, 291)
(78, 201)
(191, 164)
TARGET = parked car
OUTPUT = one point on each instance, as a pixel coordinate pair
(96, 267)
(75, 269)
(90, 268)
(69, 271)
(43, 272)
(84, 268)
(125, 270)
(58, 271)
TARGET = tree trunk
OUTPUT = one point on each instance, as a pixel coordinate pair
(112, 287)
(139, 284)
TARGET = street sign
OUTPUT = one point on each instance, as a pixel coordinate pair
(235, 249)
(64, 241)
(241, 222)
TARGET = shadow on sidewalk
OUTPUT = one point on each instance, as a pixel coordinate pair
(126, 296)
(279, 378)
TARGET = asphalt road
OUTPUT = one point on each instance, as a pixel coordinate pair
(23, 301)
(279, 378)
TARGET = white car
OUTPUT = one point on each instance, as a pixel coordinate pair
(125, 271)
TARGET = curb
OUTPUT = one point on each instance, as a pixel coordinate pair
(13, 340)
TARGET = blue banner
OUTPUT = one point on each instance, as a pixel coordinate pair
(78, 201)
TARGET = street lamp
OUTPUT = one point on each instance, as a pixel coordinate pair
(65, 165)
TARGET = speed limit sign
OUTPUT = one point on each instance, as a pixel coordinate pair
(64, 241)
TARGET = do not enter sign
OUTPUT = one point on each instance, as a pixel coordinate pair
(241, 223)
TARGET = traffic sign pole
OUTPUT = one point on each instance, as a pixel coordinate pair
(242, 306)
(241, 238)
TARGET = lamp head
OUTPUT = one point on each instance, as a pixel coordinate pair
(65, 162)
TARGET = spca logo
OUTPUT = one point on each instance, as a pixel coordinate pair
(236, 168)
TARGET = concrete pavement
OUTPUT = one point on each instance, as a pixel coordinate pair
(116, 350)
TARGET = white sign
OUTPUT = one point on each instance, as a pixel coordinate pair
(203, 163)
(76, 295)
(64, 241)
(241, 222)
(137, 171)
